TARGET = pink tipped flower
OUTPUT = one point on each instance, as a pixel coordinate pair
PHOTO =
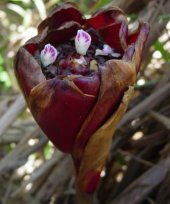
(48, 55)
(82, 42)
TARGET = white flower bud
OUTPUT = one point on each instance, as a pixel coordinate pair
(48, 55)
(82, 42)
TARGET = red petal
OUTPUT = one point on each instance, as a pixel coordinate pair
(105, 17)
(129, 53)
(108, 100)
(116, 36)
(133, 37)
(141, 32)
(62, 14)
(116, 76)
(31, 48)
(91, 181)
(27, 70)
(61, 35)
(138, 40)
(89, 85)
(60, 110)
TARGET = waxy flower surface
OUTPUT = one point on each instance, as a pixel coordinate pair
(77, 77)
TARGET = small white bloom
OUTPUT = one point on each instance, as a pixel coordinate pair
(48, 55)
(107, 50)
(100, 52)
(82, 42)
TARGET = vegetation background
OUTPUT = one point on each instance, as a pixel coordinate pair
(32, 171)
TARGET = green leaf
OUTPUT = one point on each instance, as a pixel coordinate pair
(99, 4)
(164, 17)
(41, 8)
(48, 150)
(4, 78)
(17, 9)
(160, 46)
(133, 16)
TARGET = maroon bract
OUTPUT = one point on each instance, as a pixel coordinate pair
(76, 95)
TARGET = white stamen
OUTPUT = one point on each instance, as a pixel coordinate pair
(107, 50)
(48, 55)
(115, 54)
(81, 61)
(82, 42)
(100, 52)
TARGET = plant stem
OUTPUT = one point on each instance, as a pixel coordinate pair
(84, 198)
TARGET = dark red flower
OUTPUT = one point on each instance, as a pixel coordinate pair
(77, 99)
